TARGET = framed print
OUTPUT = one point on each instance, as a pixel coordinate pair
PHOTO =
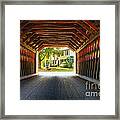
(59, 60)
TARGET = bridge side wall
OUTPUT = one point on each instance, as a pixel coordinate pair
(88, 60)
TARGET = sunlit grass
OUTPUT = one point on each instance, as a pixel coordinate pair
(56, 69)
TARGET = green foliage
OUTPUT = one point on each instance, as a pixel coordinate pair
(48, 52)
(42, 55)
(70, 61)
(45, 52)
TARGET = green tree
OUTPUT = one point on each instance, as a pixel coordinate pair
(46, 52)
(69, 61)
(41, 56)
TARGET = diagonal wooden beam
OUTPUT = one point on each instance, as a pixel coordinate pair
(56, 40)
(75, 34)
(66, 35)
(67, 29)
(91, 25)
(31, 38)
(28, 36)
(23, 24)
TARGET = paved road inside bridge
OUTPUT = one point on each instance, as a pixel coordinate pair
(56, 88)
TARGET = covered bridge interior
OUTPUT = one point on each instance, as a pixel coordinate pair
(81, 36)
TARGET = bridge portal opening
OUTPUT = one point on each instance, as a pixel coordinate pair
(56, 59)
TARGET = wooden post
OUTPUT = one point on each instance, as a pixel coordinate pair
(75, 62)
(37, 62)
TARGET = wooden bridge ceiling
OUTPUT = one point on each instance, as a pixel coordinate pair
(37, 34)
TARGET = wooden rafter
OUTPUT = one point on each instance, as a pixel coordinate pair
(91, 25)
(71, 33)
